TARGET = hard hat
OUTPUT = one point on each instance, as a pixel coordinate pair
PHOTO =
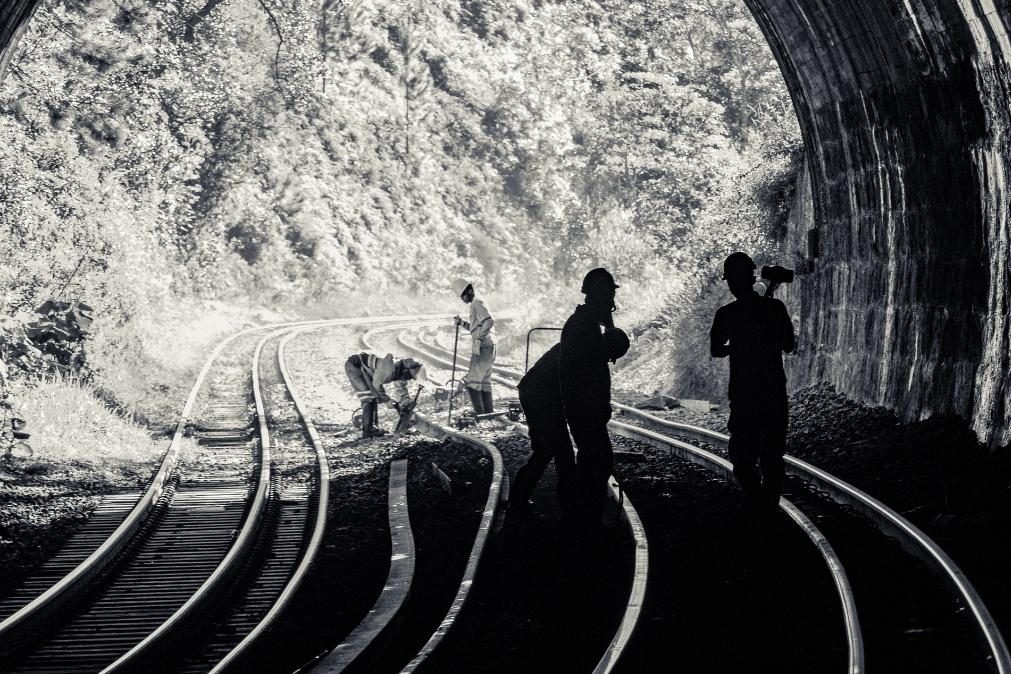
(598, 278)
(738, 264)
(617, 343)
(459, 285)
(409, 364)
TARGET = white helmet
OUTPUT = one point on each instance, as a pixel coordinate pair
(459, 285)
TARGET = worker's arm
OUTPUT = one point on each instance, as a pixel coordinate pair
(719, 340)
(482, 329)
(460, 321)
(381, 376)
(400, 388)
(481, 321)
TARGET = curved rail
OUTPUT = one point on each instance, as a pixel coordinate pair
(911, 538)
(398, 582)
(321, 508)
(495, 492)
(477, 551)
(243, 542)
(640, 574)
(49, 602)
(720, 465)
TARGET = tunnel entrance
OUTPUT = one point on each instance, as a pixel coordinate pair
(905, 247)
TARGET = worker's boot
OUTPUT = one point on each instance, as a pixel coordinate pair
(370, 415)
(487, 402)
(476, 400)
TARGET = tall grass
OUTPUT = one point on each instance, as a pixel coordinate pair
(68, 421)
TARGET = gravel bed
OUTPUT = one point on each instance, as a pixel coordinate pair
(934, 472)
(352, 566)
(43, 502)
(542, 601)
(727, 592)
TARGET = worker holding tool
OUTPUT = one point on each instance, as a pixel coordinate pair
(369, 374)
(541, 399)
(482, 353)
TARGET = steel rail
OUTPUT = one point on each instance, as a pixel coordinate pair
(719, 465)
(246, 537)
(912, 539)
(243, 542)
(309, 554)
(712, 462)
(393, 598)
(495, 493)
(48, 602)
(640, 573)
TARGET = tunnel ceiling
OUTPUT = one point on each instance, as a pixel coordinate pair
(904, 110)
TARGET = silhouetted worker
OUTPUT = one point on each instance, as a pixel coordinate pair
(549, 435)
(369, 374)
(754, 331)
(482, 352)
(585, 382)
(541, 400)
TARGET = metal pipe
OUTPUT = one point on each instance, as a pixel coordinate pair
(526, 361)
(452, 377)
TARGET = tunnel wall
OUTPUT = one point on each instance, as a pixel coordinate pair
(903, 105)
(904, 110)
(14, 17)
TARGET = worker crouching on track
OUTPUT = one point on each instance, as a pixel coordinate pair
(754, 331)
(369, 374)
(541, 400)
(482, 353)
(585, 384)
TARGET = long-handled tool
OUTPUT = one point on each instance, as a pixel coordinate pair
(452, 378)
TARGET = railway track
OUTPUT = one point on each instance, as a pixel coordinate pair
(219, 542)
(426, 348)
(213, 514)
(909, 623)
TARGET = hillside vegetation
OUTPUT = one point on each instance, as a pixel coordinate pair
(165, 160)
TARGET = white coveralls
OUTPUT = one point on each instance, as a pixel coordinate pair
(482, 352)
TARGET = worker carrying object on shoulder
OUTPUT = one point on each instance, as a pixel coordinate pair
(482, 354)
(369, 374)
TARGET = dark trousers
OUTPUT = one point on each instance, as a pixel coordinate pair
(758, 441)
(549, 439)
(594, 464)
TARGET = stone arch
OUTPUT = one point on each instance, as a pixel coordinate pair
(904, 109)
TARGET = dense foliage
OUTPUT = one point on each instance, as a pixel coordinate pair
(156, 153)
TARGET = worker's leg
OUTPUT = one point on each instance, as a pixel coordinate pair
(744, 455)
(541, 451)
(366, 397)
(773, 467)
(594, 462)
(476, 401)
(479, 378)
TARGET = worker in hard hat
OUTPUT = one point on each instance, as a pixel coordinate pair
(754, 331)
(585, 383)
(482, 353)
(369, 374)
(549, 434)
